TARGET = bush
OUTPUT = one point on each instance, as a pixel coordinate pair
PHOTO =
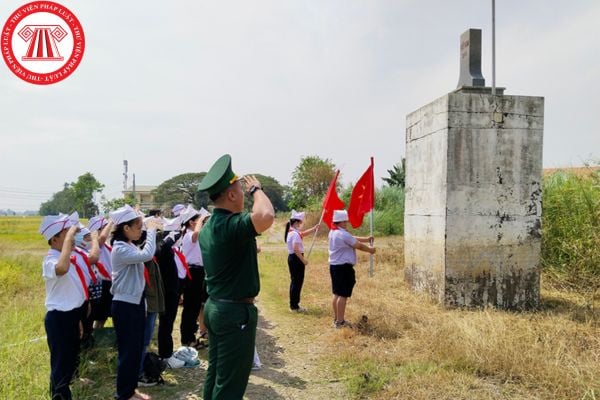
(388, 218)
(571, 229)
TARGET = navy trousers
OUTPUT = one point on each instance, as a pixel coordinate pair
(194, 295)
(165, 325)
(129, 321)
(62, 332)
(296, 267)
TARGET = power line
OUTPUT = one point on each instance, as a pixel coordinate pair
(20, 190)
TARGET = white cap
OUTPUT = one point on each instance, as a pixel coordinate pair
(85, 231)
(96, 223)
(340, 216)
(298, 215)
(172, 224)
(203, 212)
(123, 214)
(177, 209)
(187, 214)
(53, 224)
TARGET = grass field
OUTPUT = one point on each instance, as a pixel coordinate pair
(403, 346)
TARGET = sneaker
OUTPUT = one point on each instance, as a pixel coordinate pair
(144, 381)
(342, 324)
(174, 362)
(301, 310)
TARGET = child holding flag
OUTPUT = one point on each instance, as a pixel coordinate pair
(342, 257)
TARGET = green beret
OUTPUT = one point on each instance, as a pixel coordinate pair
(219, 177)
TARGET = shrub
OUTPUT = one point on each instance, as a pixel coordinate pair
(571, 229)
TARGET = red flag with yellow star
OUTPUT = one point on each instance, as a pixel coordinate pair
(363, 197)
(331, 202)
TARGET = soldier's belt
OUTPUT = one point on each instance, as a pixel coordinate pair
(243, 300)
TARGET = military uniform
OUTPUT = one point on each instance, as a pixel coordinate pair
(229, 252)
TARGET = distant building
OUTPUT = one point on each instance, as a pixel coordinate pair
(143, 196)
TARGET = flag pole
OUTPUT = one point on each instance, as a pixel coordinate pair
(493, 47)
(371, 216)
(337, 173)
(315, 235)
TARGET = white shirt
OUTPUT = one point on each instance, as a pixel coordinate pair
(191, 250)
(64, 292)
(340, 247)
(294, 237)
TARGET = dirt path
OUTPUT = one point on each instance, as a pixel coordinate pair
(290, 367)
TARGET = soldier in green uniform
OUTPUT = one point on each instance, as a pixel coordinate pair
(228, 243)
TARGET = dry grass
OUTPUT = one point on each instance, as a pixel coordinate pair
(406, 348)
(410, 348)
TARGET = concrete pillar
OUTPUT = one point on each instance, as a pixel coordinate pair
(473, 199)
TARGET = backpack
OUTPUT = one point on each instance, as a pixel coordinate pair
(153, 367)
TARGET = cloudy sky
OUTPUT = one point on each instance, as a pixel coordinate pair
(171, 86)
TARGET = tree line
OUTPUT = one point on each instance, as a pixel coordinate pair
(309, 184)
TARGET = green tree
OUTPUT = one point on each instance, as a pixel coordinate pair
(274, 190)
(182, 189)
(310, 181)
(61, 202)
(113, 204)
(76, 196)
(397, 174)
(84, 190)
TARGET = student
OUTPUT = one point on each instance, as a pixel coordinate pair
(194, 292)
(172, 289)
(342, 257)
(101, 311)
(128, 306)
(86, 256)
(296, 260)
(66, 292)
(155, 304)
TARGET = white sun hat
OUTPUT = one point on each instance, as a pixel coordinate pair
(96, 223)
(298, 215)
(123, 214)
(340, 216)
(177, 209)
(53, 224)
(187, 214)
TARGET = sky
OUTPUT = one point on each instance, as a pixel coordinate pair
(171, 86)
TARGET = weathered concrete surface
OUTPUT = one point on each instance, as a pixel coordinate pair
(473, 199)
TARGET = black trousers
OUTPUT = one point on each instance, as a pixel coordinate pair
(296, 267)
(194, 295)
(129, 321)
(165, 325)
(87, 322)
(62, 332)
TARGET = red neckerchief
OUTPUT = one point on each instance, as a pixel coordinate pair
(102, 270)
(181, 257)
(87, 263)
(81, 277)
